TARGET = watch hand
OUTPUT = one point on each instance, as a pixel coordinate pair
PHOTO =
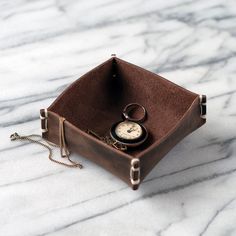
(130, 130)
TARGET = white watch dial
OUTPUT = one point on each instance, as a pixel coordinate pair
(128, 130)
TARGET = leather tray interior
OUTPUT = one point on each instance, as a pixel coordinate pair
(96, 100)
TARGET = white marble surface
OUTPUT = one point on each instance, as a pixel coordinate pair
(45, 45)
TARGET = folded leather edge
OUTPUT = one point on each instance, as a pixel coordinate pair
(189, 122)
(115, 161)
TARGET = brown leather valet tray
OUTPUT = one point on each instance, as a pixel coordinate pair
(95, 101)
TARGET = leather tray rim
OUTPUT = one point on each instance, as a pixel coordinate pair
(153, 145)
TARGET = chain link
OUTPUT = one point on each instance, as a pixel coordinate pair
(30, 138)
(108, 140)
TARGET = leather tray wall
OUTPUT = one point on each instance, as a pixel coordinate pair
(96, 100)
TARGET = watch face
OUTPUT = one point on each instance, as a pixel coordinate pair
(128, 130)
(129, 133)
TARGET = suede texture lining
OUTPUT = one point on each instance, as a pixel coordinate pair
(97, 99)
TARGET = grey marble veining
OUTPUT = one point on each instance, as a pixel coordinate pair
(45, 45)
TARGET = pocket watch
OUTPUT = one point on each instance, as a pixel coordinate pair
(129, 131)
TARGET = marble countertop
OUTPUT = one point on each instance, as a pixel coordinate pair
(45, 45)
